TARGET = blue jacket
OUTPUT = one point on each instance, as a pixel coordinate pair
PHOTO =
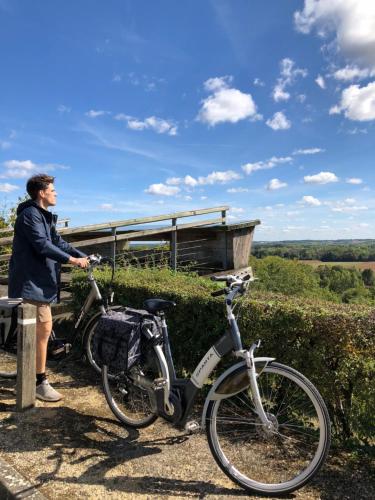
(38, 251)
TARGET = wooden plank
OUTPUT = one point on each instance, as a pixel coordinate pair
(26, 348)
(143, 220)
(133, 235)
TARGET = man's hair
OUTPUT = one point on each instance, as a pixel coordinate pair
(38, 183)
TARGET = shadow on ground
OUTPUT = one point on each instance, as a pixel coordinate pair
(65, 433)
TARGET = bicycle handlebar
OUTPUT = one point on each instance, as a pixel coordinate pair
(96, 260)
(240, 282)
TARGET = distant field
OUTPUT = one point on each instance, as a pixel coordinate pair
(357, 265)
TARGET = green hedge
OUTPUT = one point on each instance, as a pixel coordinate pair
(332, 344)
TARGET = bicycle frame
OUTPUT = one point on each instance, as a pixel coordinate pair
(243, 373)
(93, 295)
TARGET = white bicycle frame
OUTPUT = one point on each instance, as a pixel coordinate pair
(207, 364)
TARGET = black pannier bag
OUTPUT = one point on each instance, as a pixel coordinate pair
(118, 337)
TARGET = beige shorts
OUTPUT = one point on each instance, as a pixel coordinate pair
(43, 310)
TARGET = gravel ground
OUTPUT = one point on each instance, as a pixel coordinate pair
(76, 449)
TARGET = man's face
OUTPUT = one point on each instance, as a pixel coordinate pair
(48, 196)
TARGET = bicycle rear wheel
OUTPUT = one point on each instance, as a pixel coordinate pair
(130, 395)
(278, 460)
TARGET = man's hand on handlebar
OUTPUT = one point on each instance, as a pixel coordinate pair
(81, 262)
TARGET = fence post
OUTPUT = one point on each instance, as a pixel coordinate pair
(224, 216)
(26, 346)
(174, 245)
(113, 246)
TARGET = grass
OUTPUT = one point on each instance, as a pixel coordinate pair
(356, 265)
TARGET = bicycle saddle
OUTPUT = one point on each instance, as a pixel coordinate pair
(154, 306)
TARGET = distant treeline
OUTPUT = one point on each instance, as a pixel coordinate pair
(326, 251)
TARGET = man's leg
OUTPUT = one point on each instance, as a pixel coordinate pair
(43, 332)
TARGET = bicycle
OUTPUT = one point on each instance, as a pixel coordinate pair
(84, 327)
(267, 426)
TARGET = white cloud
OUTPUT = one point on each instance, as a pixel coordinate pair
(188, 198)
(279, 121)
(162, 190)
(354, 180)
(20, 169)
(249, 168)
(5, 145)
(116, 78)
(226, 104)
(95, 113)
(217, 83)
(237, 190)
(63, 109)
(7, 188)
(279, 93)
(357, 103)
(301, 98)
(349, 209)
(320, 81)
(258, 82)
(310, 200)
(356, 130)
(321, 178)
(288, 75)
(173, 181)
(190, 181)
(276, 184)
(106, 206)
(237, 210)
(352, 20)
(158, 125)
(219, 177)
(350, 73)
(308, 151)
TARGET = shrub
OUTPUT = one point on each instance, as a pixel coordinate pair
(332, 344)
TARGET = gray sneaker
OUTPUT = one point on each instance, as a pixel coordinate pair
(46, 392)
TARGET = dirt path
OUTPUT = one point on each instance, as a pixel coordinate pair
(76, 449)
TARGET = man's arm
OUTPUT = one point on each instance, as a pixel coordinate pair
(33, 227)
(65, 246)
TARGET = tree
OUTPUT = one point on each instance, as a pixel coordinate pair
(368, 277)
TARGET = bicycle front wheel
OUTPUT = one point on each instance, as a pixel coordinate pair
(281, 459)
(130, 394)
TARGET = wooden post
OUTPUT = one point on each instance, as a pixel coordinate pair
(113, 247)
(224, 216)
(174, 246)
(26, 346)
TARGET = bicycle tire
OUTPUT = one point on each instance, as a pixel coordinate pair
(131, 404)
(88, 343)
(8, 375)
(266, 462)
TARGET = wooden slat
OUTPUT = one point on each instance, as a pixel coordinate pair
(133, 235)
(143, 220)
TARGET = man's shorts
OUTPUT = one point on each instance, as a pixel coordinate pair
(43, 310)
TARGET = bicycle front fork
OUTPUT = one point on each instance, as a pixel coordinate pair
(248, 356)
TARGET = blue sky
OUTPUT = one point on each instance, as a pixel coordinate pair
(147, 107)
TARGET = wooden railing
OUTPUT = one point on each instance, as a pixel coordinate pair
(116, 235)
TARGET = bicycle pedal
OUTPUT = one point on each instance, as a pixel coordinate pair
(160, 383)
(192, 427)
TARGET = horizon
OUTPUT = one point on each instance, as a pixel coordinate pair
(147, 108)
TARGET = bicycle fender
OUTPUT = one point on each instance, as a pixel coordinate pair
(235, 379)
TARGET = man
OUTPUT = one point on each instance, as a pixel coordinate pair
(34, 268)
